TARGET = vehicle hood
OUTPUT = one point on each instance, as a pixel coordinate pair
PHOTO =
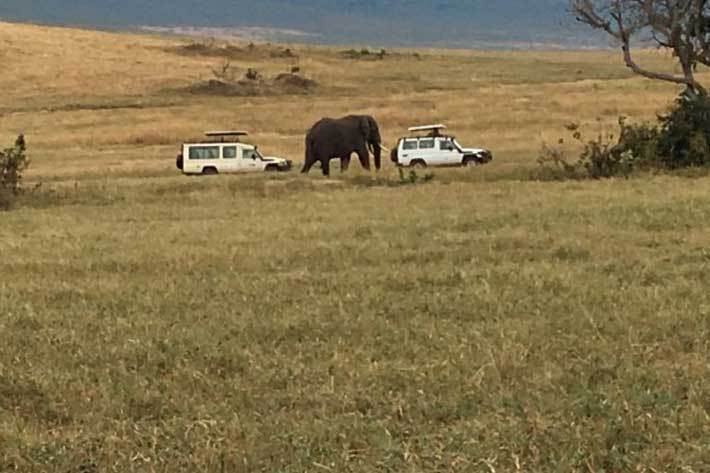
(474, 150)
(274, 159)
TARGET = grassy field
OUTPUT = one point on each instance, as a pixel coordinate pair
(480, 321)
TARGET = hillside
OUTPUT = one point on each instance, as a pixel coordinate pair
(454, 23)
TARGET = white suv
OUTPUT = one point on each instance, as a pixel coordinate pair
(436, 149)
(226, 155)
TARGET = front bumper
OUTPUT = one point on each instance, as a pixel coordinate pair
(485, 157)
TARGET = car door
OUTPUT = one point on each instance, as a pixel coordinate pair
(408, 151)
(250, 161)
(230, 161)
(447, 154)
(427, 151)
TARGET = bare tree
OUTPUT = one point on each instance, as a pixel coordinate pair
(681, 26)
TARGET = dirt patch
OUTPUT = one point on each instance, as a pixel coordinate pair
(283, 84)
(222, 88)
(230, 51)
(367, 55)
(294, 81)
(364, 54)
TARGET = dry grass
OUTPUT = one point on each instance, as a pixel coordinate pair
(74, 89)
(151, 322)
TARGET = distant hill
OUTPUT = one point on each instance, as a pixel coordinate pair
(454, 23)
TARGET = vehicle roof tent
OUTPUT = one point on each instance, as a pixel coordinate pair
(222, 135)
(433, 130)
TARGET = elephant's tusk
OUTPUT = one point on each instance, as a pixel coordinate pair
(387, 150)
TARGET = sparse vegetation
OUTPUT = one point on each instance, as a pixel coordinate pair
(13, 162)
(682, 139)
(212, 49)
(252, 84)
(364, 54)
(603, 156)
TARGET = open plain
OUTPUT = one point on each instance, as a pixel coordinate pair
(479, 321)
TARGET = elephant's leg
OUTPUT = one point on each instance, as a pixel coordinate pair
(364, 158)
(325, 165)
(310, 156)
(344, 163)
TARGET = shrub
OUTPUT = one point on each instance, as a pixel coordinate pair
(685, 133)
(13, 161)
(602, 156)
(681, 140)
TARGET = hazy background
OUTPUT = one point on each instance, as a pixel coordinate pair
(517, 24)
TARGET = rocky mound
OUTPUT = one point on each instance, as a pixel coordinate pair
(283, 84)
(295, 81)
(230, 51)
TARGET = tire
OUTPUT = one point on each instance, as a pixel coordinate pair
(418, 164)
(209, 171)
(271, 168)
(470, 162)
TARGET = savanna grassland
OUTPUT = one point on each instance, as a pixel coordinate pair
(480, 321)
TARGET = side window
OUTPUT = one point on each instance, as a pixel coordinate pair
(229, 152)
(247, 154)
(204, 152)
(446, 145)
(426, 143)
(409, 144)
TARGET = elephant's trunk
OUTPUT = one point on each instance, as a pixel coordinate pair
(376, 150)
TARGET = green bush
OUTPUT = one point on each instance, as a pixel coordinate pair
(681, 140)
(13, 161)
(685, 133)
(602, 157)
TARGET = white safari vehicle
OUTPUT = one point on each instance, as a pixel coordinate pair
(222, 152)
(436, 149)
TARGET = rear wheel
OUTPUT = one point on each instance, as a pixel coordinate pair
(209, 171)
(418, 164)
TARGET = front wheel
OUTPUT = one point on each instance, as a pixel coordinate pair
(470, 162)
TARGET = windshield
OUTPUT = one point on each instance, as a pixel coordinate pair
(258, 154)
(458, 146)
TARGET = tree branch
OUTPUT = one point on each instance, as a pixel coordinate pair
(683, 26)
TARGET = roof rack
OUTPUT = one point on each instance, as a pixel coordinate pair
(428, 128)
(226, 133)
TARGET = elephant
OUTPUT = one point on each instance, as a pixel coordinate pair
(339, 138)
